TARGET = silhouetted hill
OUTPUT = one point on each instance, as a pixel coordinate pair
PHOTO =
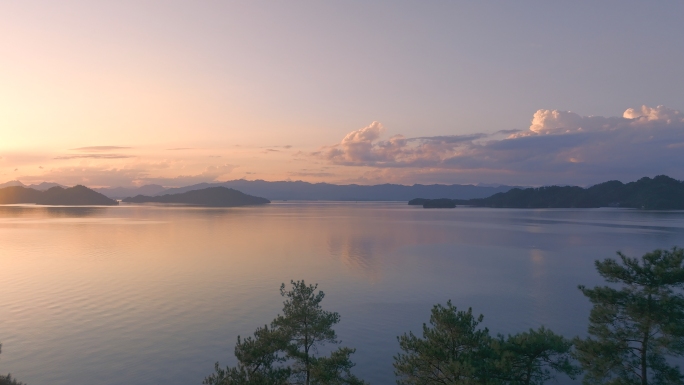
(330, 192)
(212, 196)
(59, 196)
(19, 194)
(659, 193)
(442, 203)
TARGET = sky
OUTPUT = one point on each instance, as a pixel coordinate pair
(129, 93)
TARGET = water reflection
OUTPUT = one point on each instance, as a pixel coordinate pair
(160, 293)
(21, 211)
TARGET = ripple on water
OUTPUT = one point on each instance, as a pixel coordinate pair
(149, 295)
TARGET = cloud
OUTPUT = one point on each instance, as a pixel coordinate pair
(100, 148)
(93, 156)
(563, 122)
(210, 174)
(311, 174)
(558, 147)
(362, 148)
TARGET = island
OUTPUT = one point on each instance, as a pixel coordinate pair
(210, 197)
(659, 193)
(55, 196)
(442, 203)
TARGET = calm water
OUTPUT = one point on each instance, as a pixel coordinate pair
(156, 295)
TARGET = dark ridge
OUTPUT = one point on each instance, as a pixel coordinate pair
(419, 201)
(442, 203)
(212, 196)
(438, 203)
(19, 194)
(74, 196)
(58, 196)
(299, 190)
(659, 193)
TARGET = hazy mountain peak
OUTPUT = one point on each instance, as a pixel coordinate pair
(12, 183)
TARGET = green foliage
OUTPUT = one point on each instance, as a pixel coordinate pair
(448, 352)
(335, 369)
(287, 352)
(305, 325)
(257, 358)
(532, 357)
(454, 350)
(634, 329)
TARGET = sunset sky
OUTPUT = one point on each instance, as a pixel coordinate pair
(127, 93)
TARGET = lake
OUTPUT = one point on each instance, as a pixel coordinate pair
(156, 295)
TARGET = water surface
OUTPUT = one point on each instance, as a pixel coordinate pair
(152, 295)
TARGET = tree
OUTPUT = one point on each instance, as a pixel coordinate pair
(532, 357)
(637, 329)
(287, 352)
(454, 350)
(257, 358)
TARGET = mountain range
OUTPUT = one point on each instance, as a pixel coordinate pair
(58, 196)
(659, 193)
(285, 190)
(40, 187)
(210, 196)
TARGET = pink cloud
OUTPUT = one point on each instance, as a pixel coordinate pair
(559, 147)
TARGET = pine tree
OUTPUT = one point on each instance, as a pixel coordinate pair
(287, 352)
(455, 350)
(533, 357)
(636, 330)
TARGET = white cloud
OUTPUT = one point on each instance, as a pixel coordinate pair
(660, 113)
(558, 147)
(362, 148)
(565, 122)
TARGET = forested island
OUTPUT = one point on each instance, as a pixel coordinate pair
(211, 197)
(56, 196)
(659, 193)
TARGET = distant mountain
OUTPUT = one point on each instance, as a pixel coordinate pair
(19, 194)
(123, 192)
(659, 193)
(45, 186)
(330, 192)
(41, 186)
(59, 196)
(12, 183)
(212, 196)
